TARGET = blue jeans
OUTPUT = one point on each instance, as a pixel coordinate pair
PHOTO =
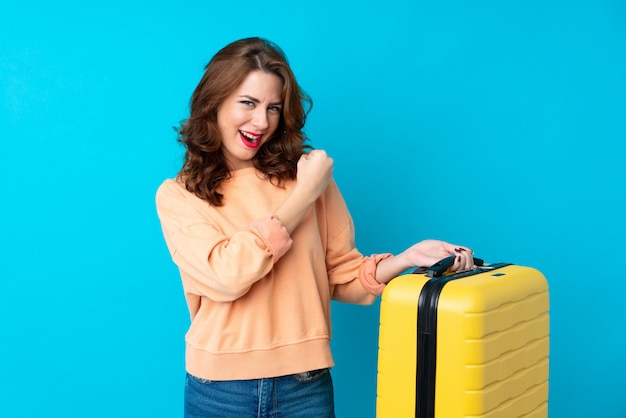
(304, 395)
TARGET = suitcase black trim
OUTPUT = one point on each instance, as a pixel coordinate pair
(427, 338)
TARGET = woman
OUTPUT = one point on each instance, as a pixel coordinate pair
(264, 241)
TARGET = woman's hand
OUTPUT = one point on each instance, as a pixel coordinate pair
(424, 254)
(428, 252)
(315, 170)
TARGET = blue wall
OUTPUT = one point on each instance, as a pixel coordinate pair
(498, 125)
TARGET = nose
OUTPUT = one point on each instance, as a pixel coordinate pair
(260, 120)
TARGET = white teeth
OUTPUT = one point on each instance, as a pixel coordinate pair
(250, 137)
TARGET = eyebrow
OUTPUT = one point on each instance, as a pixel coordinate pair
(255, 100)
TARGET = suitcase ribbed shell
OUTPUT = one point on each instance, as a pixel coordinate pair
(492, 346)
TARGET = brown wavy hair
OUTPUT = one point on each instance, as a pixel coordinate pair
(205, 167)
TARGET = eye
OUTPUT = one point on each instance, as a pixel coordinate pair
(274, 109)
(247, 103)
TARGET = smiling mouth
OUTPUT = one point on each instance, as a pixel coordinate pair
(249, 139)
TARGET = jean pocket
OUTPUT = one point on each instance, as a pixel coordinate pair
(199, 379)
(311, 376)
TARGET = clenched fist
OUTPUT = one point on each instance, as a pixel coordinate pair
(315, 170)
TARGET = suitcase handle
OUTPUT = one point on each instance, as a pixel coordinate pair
(441, 266)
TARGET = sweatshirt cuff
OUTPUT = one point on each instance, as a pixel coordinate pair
(274, 234)
(367, 273)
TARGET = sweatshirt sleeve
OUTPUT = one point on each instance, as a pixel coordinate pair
(212, 264)
(351, 275)
(367, 273)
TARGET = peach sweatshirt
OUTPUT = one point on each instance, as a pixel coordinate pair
(259, 299)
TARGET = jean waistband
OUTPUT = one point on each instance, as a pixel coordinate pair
(306, 375)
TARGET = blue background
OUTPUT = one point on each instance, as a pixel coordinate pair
(497, 125)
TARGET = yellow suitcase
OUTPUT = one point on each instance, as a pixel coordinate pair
(471, 344)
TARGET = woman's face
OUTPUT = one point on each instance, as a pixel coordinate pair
(248, 117)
